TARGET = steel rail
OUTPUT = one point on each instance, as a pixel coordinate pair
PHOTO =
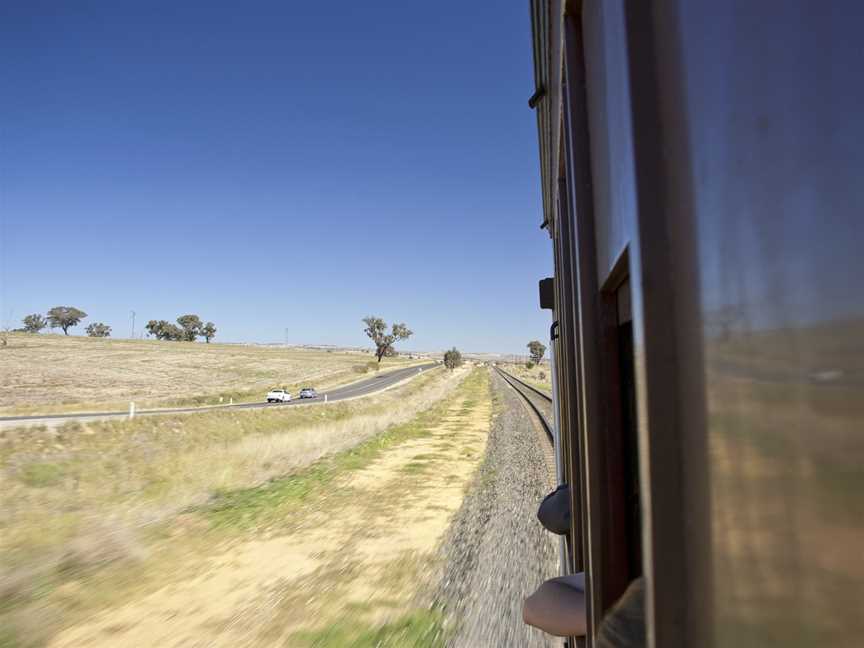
(523, 389)
(533, 389)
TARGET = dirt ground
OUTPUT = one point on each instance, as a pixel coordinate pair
(67, 486)
(358, 552)
(496, 552)
(55, 373)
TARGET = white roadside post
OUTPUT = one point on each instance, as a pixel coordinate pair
(131, 409)
(325, 399)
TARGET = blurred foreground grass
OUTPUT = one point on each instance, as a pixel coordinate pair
(107, 514)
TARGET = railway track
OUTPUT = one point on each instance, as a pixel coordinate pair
(539, 402)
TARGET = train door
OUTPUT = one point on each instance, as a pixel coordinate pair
(621, 434)
(607, 448)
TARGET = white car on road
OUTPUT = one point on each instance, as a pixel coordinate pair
(278, 396)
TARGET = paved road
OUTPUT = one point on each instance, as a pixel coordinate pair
(353, 390)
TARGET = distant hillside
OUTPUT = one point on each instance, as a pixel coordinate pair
(44, 373)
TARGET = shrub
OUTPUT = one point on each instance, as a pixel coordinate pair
(39, 475)
(162, 330)
(536, 348)
(98, 329)
(208, 332)
(34, 323)
(452, 359)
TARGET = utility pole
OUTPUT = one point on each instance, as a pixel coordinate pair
(133, 325)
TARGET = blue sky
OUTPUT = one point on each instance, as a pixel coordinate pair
(273, 166)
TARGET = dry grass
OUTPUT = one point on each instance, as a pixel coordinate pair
(55, 373)
(57, 484)
(330, 556)
(539, 376)
(128, 506)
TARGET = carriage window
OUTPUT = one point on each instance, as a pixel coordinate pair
(629, 447)
(622, 534)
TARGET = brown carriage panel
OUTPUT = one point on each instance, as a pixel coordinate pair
(611, 247)
(749, 154)
(567, 380)
(579, 226)
(675, 463)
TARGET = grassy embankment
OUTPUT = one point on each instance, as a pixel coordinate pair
(539, 376)
(54, 373)
(106, 514)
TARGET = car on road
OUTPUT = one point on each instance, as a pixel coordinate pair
(308, 392)
(278, 396)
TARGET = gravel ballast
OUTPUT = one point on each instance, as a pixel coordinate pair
(496, 552)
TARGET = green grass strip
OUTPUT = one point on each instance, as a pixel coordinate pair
(419, 629)
(247, 508)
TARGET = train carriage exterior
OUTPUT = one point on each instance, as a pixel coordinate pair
(702, 168)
